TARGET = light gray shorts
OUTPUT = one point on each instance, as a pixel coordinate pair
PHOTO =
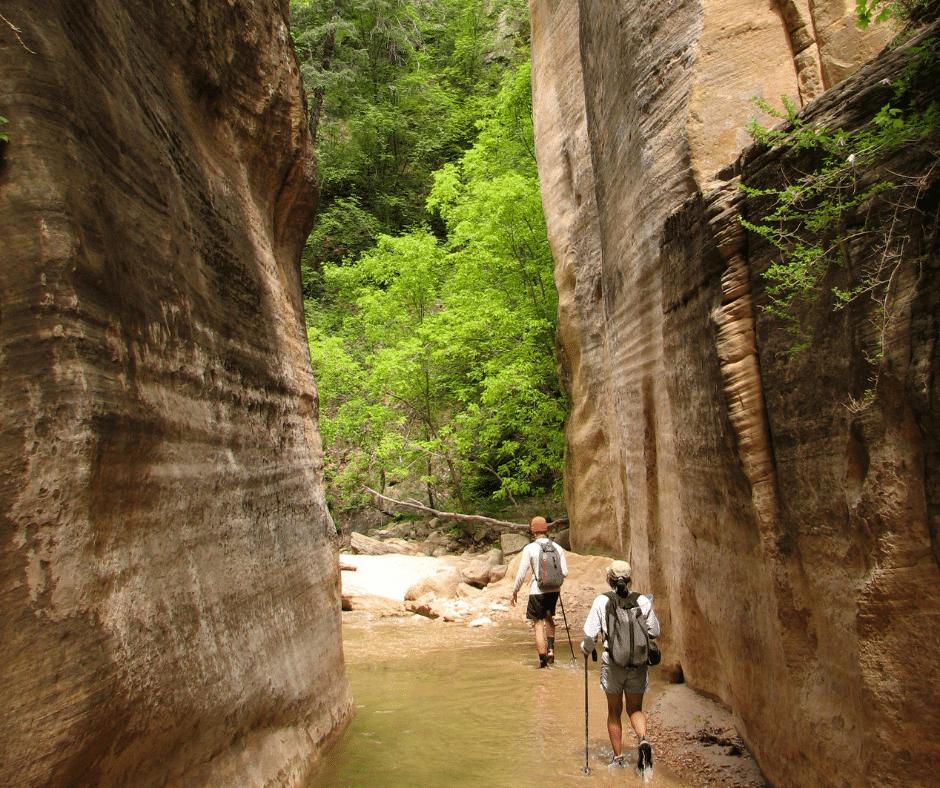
(615, 679)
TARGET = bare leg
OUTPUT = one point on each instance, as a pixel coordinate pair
(541, 644)
(614, 710)
(634, 704)
(550, 637)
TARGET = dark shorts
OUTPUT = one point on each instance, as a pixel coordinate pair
(616, 680)
(541, 606)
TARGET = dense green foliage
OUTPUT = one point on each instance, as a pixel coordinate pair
(825, 213)
(431, 305)
(395, 90)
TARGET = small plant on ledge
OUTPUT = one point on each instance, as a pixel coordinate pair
(849, 193)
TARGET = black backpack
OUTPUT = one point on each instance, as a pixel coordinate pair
(628, 640)
(549, 571)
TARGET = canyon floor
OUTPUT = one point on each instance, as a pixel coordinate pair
(693, 735)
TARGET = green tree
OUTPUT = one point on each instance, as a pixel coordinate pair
(436, 359)
(396, 89)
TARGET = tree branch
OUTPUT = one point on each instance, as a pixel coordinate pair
(16, 32)
(467, 518)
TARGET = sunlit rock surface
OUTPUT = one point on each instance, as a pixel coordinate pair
(170, 603)
(791, 540)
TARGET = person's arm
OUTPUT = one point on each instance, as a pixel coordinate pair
(564, 563)
(652, 622)
(520, 575)
(594, 625)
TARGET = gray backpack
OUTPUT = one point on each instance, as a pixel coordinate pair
(549, 572)
(628, 640)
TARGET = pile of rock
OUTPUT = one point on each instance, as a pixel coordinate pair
(438, 538)
(464, 584)
(450, 591)
(434, 537)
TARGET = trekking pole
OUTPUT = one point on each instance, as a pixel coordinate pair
(566, 627)
(587, 769)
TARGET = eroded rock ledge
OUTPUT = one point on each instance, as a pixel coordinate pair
(170, 604)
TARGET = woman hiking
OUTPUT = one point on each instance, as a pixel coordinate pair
(624, 683)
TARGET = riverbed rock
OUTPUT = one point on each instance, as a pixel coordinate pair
(404, 546)
(169, 604)
(468, 591)
(438, 543)
(442, 584)
(513, 543)
(366, 545)
(426, 606)
(477, 572)
(759, 497)
(480, 571)
(361, 520)
(375, 605)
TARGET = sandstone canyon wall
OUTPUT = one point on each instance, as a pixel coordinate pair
(790, 535)
(170, 607)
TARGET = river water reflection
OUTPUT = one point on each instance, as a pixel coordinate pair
(446, 705)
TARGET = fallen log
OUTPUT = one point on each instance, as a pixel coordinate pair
(347, 567)
(467, 518)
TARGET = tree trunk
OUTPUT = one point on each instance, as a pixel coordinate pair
(316, 100)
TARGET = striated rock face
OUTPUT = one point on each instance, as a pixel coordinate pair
(790, 535)
(818, 583)
(636, 104)
(170, 602)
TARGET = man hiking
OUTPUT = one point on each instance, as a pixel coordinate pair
(628, 623)
(549, 570)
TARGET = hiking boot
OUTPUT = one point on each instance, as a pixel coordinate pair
(550, 657)
(644, 757)
(618, 762)
(543, 661)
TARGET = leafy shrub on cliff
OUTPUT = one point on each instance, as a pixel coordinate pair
(849, 197)
(902, 11)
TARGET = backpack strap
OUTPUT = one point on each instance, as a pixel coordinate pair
(536, 560)
(630, 600)
(543, 548)
(611, 598)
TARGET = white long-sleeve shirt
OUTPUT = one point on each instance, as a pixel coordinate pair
(597, 620)
(530, 558)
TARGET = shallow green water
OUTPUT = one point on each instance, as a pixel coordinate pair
(441, 705)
